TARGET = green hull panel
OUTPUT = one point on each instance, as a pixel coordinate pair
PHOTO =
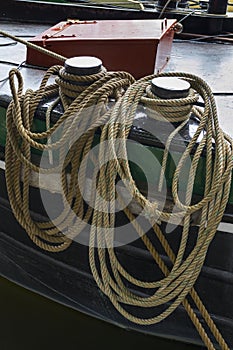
(137, 173)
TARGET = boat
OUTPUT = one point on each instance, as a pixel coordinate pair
(202, 17)
(126, 276)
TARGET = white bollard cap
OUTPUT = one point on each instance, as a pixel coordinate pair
(83, 65)
(170, 87)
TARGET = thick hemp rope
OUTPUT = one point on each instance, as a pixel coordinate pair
(171, 111)
(179, 282)
(21, 139)
(109, 274)
(34, 46)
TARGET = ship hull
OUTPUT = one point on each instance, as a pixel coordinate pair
(66, 278)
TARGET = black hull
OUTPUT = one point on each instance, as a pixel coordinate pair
(66, 278)
(51, 13)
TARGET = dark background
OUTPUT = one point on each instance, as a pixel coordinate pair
(30, 321)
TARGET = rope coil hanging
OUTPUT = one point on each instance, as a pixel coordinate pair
(181, 278)
(115, 124)
(20, 139)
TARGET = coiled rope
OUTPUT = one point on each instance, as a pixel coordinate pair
(171, 111)
(21, 140)
(115, 123)
(179, 282)
(72, 84)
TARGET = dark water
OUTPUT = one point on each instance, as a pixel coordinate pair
(29, 321)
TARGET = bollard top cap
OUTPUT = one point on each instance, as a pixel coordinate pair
(170, 87)
(83, 65)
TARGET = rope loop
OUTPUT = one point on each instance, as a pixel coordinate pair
(12, 74)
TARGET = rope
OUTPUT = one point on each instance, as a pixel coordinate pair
(71, 85)
(184, 273)
(21, 139)
(91, 108)
(34, 46)
(170, 110)
(174, 288)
